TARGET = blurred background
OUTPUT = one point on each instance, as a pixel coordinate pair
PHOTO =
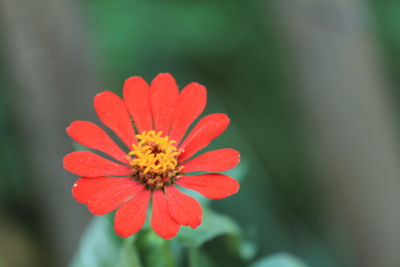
(311, 87)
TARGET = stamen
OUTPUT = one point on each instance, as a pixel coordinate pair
(154, 159)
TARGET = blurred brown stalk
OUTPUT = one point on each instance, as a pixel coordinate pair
(346, 100)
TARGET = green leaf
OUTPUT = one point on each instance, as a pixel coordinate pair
(197, 258)
(279, 260)
(101, 247)
(213, 225)
(128, 255)
(216, 225)
(2, 263)
(154, 250)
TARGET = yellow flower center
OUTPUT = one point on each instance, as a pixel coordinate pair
(154, 160)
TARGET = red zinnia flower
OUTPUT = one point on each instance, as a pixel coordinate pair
(157, 161)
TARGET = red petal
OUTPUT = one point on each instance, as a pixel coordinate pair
(137, 100)
(183, 208)
(88, 164)
(90, 135)
(106, 201)
(213, 161)
(163, 98)
(212, 185)
(191, 103)
(85, 188)
(203, 133)
(112, 112)
(161, 221)
(132, 215)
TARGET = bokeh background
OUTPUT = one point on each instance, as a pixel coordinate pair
(311, 87)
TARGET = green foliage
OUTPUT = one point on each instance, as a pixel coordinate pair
(231, 47)
(154, 250)
(197, 258)
(214, 228)
(101, 247)
(2, 263)
(213, 225)
(279, 260)
(12, 190)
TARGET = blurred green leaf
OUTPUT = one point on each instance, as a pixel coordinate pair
(197, 258)
(216, 225)
(154, 250)
(2, 263)
(129, 256)
(213, 225)
(100, 247)
(279, 260)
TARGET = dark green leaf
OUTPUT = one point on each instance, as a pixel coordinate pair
(213, 225)
(197, 258)
(101, 247)
(279, 260)
(154, 250)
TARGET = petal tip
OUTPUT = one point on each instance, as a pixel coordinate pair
(134, 79)
(68, 129)
(194, 226)
(164, 77)
(237, 155)
(66, 160)
(102, 94)
(95, 213)
(168, 236)
(198, 86)
(121, 233)
(75, 195)
(226, 117)
(235, 188)
(99, 94)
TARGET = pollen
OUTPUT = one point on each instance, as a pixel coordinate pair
(154, 159)
(154, 153)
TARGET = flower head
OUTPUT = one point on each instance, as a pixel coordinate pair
(151, 121)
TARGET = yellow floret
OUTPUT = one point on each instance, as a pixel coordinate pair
(154, 153)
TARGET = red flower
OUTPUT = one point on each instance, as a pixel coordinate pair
(158, 159)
